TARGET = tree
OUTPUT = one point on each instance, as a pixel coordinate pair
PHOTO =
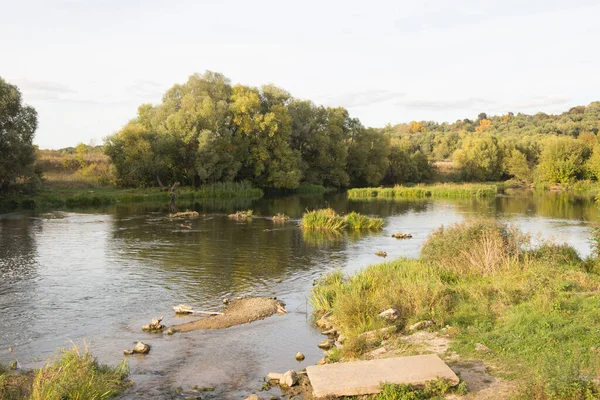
(562, 160)
(480, 158)
(18, 124)
(368, 157)
(518, 166)
(484, 125)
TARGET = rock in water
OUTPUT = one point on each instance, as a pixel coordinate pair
(391, 314)
(325, 344)
(128, 352)
(273, 376)
(381, 253)
(141, 348)
(289, 379)
(299, 356)
(252, 397)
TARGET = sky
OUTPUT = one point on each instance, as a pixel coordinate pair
(87, 65)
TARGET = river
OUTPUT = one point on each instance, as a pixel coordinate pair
(99, 275)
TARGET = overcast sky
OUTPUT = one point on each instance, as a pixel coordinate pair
(87, 65)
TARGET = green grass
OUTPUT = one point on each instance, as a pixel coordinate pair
(328, 219)
(54, 198)
(442, 190)
(74, 374)
(538, 310)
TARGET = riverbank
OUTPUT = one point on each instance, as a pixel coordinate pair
(529, 316)
(69, 197)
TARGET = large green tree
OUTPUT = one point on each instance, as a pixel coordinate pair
(18, 124)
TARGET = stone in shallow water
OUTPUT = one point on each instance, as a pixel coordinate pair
(289, 379)
(366, 377)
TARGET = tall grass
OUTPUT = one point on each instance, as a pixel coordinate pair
(77, 375)
(537, 310)
(328, 219)
(444, 190)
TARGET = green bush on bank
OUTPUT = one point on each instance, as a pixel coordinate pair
(537, 310)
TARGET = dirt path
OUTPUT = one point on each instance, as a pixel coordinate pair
(238, 312)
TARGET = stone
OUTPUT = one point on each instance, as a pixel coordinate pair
(391, 314)
(324, 323)
(274, 376)
(192, 398)
(338, 344)
(128, 352)
(141, 348)
(331, 332)
(183, 309)
(341, 338)
(420, 325)
(252, 397)
(365, 377)
(170, 331)
(325, 344)
(378, 332)
(289, 379)
(401, 235)
(209, 388)
(322, 361)
(377, 352)
(299, 356)
(481, 347)
(13, 365)
(381, 254)
(225, 300)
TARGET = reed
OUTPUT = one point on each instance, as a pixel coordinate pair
(444, 190)
(328, 219)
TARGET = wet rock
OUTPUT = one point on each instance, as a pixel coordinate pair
(326, 344)
(128, 352)
(331, 332)
(401, 235)
(381, 254)
(186, 214)
(170, 331)
(481, 347)
(273, 376)
(154, 326)
(391, 314)
(289, 379)
(225, 300)
(420, 325)
(141, 348)
(299, 356)
(209, 388)
(183, 309)
(252, 397)
(322, 361)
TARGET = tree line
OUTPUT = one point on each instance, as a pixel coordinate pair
(207, 131)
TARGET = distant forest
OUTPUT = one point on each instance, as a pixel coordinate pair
(207, 130)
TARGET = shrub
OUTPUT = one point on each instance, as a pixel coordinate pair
(475, 246)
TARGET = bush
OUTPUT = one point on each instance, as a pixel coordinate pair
(475, 246)
(328, 219)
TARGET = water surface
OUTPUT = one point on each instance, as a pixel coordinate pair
(100, 275)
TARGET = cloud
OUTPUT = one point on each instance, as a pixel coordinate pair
(539, 102)
(364, 98)
(145, 88)
(44, 88)
(445, 104)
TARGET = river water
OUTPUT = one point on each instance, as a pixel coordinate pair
(99, 275)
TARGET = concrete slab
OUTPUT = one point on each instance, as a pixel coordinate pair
(366, 377)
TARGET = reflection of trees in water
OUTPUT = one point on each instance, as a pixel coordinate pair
(217, 255)
(17, 249)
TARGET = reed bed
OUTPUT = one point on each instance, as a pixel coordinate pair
(328, 219)
(445, 190)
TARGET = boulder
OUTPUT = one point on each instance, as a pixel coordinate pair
(299, 356)
(252, 397)
(209, 388)
(326, 344)
(289, 379)
(377, 352)
(141, 348)
(481, 347)
(331, 331)
(420, 325)
(323, 323)
(154, 326)
(273, 376)
(381, 254)
(128, 352)
(391, 314)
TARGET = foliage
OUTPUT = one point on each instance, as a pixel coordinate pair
(18, 124)
(435, 389)
(77, 375)
(562, 160)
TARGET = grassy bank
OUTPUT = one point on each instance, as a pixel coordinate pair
(328, 219)
(74, 374)
(537, 310)
(442, 190)
(67, 197)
